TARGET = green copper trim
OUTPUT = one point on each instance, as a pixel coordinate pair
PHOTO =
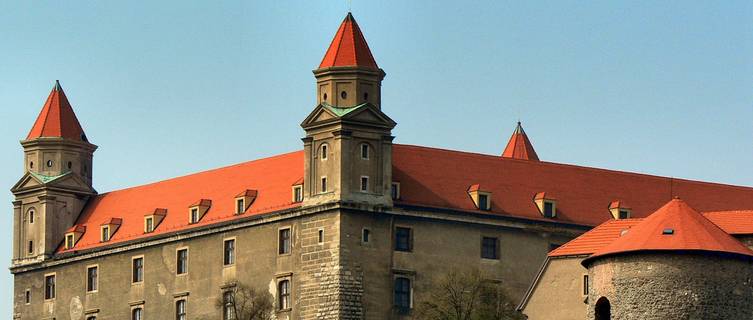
(340, 111)
(47, 179)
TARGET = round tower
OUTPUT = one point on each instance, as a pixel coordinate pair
(676, 264)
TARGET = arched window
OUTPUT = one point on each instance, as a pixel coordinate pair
(603, 309)
(283, 293)
(324, 151)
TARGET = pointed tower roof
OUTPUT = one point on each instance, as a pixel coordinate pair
(674, 227)
(519, 147)
(348, 48)
(57, 118)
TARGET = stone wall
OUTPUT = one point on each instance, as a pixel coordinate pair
(672, 286)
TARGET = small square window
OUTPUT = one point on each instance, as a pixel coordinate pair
(364, 184)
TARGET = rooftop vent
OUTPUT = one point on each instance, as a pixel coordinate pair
(668, 231)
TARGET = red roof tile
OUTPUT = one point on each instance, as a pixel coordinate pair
(582, 193)
(674, 227)
(247, 193)
(733, 222)
(595, 239)
(519, 147)
(348, 48)
(76, 229)
(57, 118)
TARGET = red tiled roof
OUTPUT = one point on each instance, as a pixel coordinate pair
(77, 229)
(440, 178)
(57, 118)
(733, 222)
(674, 227)
(595, 239)
(583, 194)
(519, 147)
(117, 221)
(348, 48)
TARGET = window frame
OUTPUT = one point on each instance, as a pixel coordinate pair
(178, 304)
(193, 215)
(240, 205)
(228, 305)
(50, 293)
(401, 308)
(552, 205)
(586, 285)
(281, 248)
(365, 149)
(409, 240)
(149, 224)
(365, 236)
(140, 272)
(229, 260)
(323, 151)
(484, 247)
(30, 214)
(181, 271)
(30, 249)
(104, 233)
(284, 299)
(364, 187)
(395, 190)
(323, 185)
(92, 286)
(297, 193)
(27, 296)
(140, 311)
(70, 240)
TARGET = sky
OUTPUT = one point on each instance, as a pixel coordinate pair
(167, 88)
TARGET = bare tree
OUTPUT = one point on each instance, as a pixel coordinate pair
(246, 303)
(466, 295)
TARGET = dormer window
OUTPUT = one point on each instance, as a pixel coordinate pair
(69, 241)
(152, 220)
(298, 193)
(619, 210)
(395, 190)
(244, 200)
(324, 151)
(108, 228)
(546, 204)
(481, 199)
(72, 236)
(364, 151)
(198, 209)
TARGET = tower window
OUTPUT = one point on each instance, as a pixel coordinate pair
(325, 96)
(228, 306)
(49, 163)
(28, 296)
(70, 164)
(585, 284)
(283, 292)
(31, 165)
(321, 236)
(324, 152)
(365, 96)
(31, 247)
(364, 184)
(92, 279)
(344, 95)
(31, 215)
(182, 261)
(49, 287)
(324, 184)
(284, 241)
(364, 151)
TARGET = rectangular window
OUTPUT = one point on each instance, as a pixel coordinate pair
(49, 287)
(283, 292)
(395, 191)
(137, 314)
(228, 306)
(324, 184)
(365, 151)
(194, 215)
(149, 225)
(585, 284)
(105, 233)
(483, 202)
(229, 252)
(240, 206)
(403, 241)
(321, 236)
(402, 294)
(69, 241)
(284, 241)
(182, 261)
(31, 247)
(180, 309)
(364, 184)
(28, 296)
(489, 248)
(297, 194)
(137, 270)
(92, 279)
(548, 209)
(366, 235)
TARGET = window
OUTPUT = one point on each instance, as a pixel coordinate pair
(483, 202)
(87, 318)
(49, 163)
(366, 235)
(194, 215)
(548, 209)
(343, 95)
(31, 247)
(324, 184)
(28, 296)
(138, 270)
(395, 191)
(321, 236)
(364, 184)
(31, 165)
(228, 306)
(585, 284)
(31, 215)
(402, 294)
(105, 233)
(324, 151)
(137, 314)
(364, 151)
(283, 292)
(624, 214)
(228, 252)
(149, 224)
(297, 194)
(403, 241)
(92, 279)
(489, 248)
(49, 287)
(284, 241)
(240, 206)
(180, 309)
(182, 261)
(69, 241)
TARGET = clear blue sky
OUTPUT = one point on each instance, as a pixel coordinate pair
(167, 89)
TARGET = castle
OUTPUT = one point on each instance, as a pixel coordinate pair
(353, 226)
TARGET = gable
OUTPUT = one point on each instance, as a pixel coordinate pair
(70, 182)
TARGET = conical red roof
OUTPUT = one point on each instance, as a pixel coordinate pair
(57, 118)
(348, 48)
(675, 227)
(519, 147)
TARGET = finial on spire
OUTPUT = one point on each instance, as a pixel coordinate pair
(57, 85)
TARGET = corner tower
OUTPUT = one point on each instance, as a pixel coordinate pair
(56, 182)
(348, 143)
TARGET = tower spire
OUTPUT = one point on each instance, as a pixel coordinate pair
(57, 119)
(348, 47)
(519, 147)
